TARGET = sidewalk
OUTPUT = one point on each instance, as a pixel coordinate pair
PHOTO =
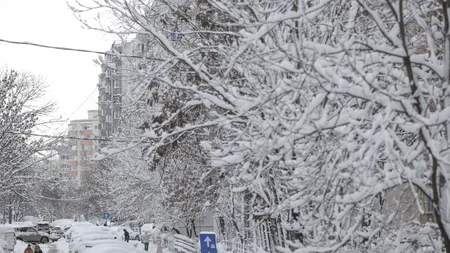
(152, 248)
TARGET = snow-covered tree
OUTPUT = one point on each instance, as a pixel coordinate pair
(324, 107)
(21, 110)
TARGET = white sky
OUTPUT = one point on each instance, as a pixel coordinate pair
(72, 76)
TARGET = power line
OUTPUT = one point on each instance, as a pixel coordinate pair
(68, 119)
(83, 103)
(73, 137)
(75, 49)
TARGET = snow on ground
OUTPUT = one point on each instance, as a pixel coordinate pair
(46, 248)
(63, 247)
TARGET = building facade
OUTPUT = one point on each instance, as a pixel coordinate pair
(77, 159)
(115, 86)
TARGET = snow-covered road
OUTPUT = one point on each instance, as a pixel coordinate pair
(62, 247)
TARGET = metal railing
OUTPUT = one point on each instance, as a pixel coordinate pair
(182, 244)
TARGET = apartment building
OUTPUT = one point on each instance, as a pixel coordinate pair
(77, 159)
(116, 83)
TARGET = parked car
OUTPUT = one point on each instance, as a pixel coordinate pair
(56, 233)
(91, 237)
(81, 247)
(7, 238)
(43, 226)
(30, 234)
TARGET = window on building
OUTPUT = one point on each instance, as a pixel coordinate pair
(108, 118)
(86, 127)
(116, 114)
(116, 83)
(427, 205)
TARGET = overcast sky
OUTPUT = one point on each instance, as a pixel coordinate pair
(72, 76)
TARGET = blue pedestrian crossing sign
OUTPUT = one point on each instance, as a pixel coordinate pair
(105, 215)
(208, 242)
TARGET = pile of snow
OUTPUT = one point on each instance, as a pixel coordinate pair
(61, 245)
(22, 224)
(63, 223)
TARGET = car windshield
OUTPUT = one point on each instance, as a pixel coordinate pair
(56, 228)
(43, 225)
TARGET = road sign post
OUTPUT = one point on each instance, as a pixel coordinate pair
(208, 242)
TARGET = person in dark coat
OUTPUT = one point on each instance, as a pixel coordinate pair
(37, 249)
(126, 235)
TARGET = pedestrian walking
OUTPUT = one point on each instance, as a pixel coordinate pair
(28, 249)
(126, 235)
(146, 240)
(37, 249)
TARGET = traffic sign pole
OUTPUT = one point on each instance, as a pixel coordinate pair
(208, 243)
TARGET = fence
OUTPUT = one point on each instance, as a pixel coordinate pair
(182, 244)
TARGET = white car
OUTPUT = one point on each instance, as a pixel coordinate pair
(92, 237)
(56, 233)
(77, 231)
(81, 247)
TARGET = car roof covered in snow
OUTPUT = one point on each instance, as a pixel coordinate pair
(78, 232)
(98, 242)
(91, 237)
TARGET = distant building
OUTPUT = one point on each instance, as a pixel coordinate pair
(76, 160)
(116, 83)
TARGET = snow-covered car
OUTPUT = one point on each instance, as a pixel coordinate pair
(105, 248)
(63, 223)
(81, 247)
(92, 237)
(56, 233)
(7, 238)
(156, 232)
(43, 226)
(79, 229)
(30, 234)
